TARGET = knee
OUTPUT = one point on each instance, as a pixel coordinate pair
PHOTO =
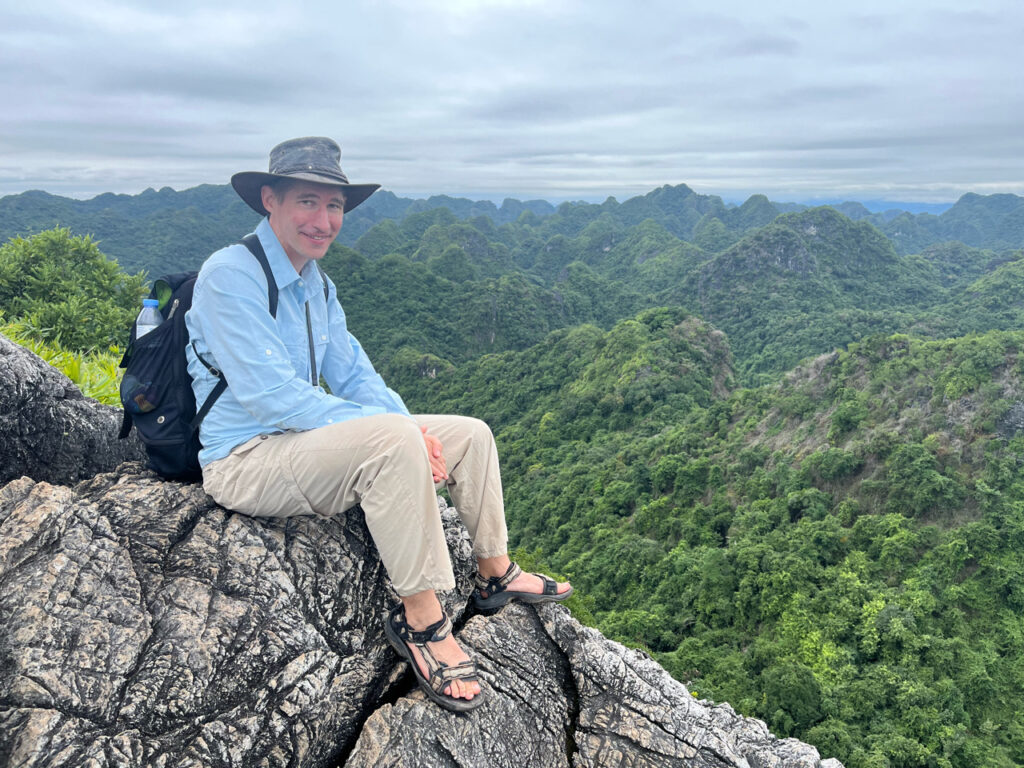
(471, 426)
(387, 434)
(479, 430)
(400, 430)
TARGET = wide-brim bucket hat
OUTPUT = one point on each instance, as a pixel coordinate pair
(312, 158)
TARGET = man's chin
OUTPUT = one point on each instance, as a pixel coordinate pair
(316, 253)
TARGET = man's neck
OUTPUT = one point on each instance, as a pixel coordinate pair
(299, 262)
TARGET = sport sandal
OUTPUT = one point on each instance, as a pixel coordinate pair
(401, 636)
(494, 592)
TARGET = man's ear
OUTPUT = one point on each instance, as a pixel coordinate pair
(267, 197)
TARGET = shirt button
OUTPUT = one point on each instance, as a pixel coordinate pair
(330, 421)
(269, 352)
(323, 337)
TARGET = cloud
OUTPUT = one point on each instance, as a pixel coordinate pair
(518, 98)
(761, 45)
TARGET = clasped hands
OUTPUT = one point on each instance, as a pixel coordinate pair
(438, 468)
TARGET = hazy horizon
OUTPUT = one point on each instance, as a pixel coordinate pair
(875, 206)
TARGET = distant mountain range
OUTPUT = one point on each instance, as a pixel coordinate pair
(166, 230)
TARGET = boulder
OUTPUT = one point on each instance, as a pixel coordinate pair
(48, 430)
(143, 625)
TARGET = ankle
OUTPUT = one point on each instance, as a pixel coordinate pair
(491, 567)
(422, 610)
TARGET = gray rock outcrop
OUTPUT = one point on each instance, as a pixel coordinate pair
(48, 430)
(564, 696)
(142, 625)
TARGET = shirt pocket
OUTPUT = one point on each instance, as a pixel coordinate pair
(298, 351)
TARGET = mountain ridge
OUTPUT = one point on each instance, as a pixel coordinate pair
(209, 216)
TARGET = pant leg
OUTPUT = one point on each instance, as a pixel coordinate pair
(474, 479)
(378, 462)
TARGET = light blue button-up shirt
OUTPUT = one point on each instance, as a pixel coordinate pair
(266, 361)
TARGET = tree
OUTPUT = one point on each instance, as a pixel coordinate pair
(66, 290)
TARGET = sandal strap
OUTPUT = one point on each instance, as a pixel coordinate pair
(439, 674)
(443, 675)
(496, 584)
(436, 632)
(550, 585)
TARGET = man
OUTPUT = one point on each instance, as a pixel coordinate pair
(277, 444)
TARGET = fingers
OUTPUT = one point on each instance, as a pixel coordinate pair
(438, 466)
(433, 444)
(438, 470)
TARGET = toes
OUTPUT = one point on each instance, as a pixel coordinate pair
(459, 689)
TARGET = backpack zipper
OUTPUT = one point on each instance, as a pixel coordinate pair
(174, 306)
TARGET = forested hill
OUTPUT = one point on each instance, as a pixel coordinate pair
(803, 284)
(782, 287)
(169, 231)
(838, 553)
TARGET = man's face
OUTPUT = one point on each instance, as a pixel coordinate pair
(306, 220)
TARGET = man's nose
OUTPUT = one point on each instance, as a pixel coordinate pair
(323, 218)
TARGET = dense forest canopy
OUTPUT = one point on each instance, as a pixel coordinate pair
(778, 447)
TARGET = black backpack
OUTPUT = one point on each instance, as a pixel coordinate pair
(156, 390)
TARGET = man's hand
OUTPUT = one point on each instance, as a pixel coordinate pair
(437, 465)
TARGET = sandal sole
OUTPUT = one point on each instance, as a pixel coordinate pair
(500, 599)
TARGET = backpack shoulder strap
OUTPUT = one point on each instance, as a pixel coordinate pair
(252, 242)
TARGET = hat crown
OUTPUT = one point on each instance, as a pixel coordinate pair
(316, 159)
(308, 155)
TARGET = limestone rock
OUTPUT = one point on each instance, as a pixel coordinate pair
(1011, 423)
(48, 430)
(142, 625)
(560, 694)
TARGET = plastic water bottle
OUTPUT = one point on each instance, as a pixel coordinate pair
(148, 319)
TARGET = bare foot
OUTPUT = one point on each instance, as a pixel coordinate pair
(528, 582)
(448, 652)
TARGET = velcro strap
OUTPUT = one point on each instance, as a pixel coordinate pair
(435, 633)
(550, 587)
(496, 584)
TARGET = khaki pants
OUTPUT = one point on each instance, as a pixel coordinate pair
(380, 463)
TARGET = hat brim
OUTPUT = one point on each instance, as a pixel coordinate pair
(249, 186)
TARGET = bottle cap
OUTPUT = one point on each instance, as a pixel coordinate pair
(150, 303)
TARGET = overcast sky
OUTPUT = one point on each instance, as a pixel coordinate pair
(910, 100)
